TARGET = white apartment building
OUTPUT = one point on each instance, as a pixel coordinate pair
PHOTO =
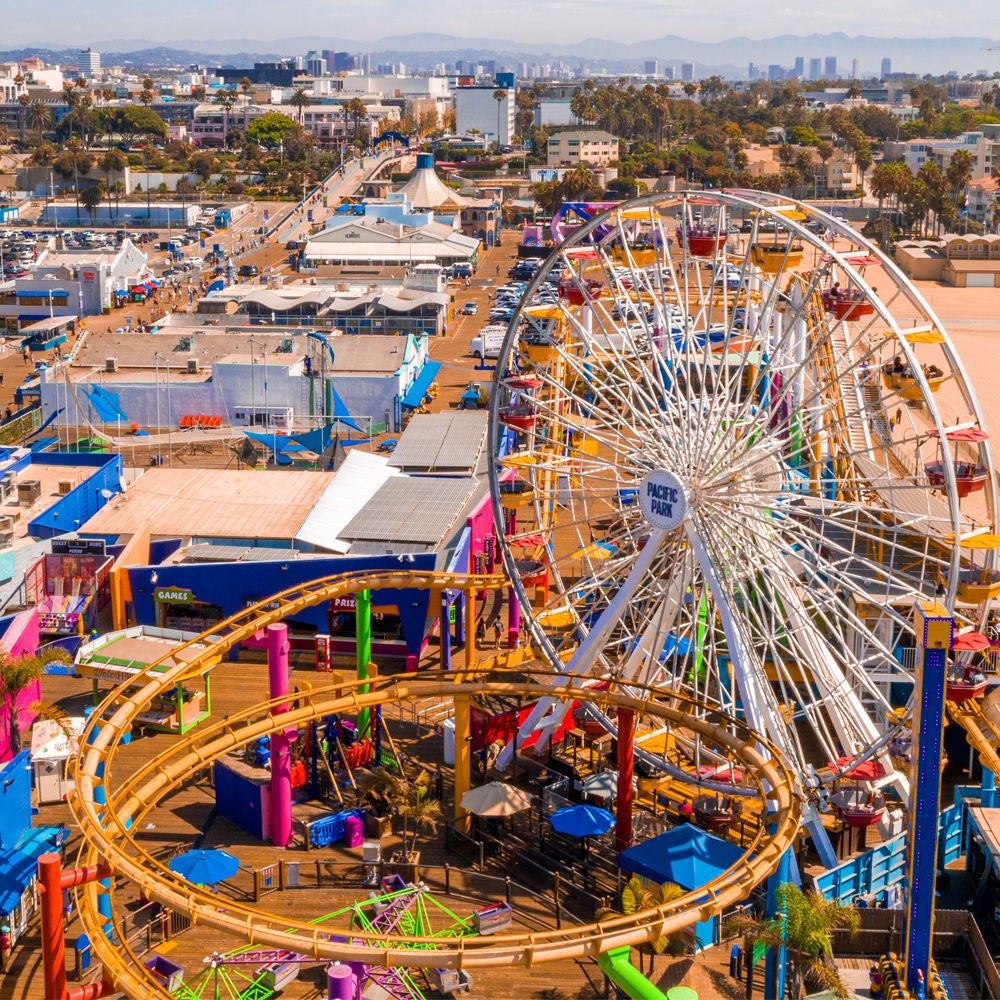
(476, 108)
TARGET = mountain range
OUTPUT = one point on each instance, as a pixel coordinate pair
(729, 58)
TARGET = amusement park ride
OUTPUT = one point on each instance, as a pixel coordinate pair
(761, 501)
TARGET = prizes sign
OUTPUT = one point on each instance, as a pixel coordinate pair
(663, 500)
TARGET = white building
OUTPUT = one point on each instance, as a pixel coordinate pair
(477, 108)
(391, 232)
(90, 63)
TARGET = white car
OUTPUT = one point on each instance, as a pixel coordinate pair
(195, 262)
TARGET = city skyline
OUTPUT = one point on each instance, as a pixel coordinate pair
(62, 23)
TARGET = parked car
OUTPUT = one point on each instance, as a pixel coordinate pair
(248, 271)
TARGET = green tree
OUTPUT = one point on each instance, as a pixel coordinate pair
(130, 122)
(355, 109)
(16, 676)
(300, 100)
(90, 198)
(227, 98)
(270, 130)
(418, 809)
(113, 163)
(39, 117)
(246, 88)
(804, 927)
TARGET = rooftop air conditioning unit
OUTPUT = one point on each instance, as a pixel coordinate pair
(111, 364)
(65, 486)
(6, 539)
(194, 366)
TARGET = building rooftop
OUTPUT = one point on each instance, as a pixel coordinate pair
(448, 442)
(224, 504)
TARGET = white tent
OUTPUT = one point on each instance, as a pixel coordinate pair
(51, 745)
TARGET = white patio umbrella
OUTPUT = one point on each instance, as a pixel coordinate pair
(496, 799)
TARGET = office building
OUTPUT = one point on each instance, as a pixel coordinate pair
(886, 68)
(855, 69)
(90, 63)
(651, 67)
(815, 69)
(800, 67)
(775, 72)
(830, 67)
(687, 72)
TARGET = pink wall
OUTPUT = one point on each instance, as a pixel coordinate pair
(480, 523)
(21, 637)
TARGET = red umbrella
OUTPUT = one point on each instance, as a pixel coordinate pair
(969, 642)
(973, 434)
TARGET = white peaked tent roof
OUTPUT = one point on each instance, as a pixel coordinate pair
(426, 190)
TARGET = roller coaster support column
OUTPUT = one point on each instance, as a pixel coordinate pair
(281, 763)
(774, 962)
(933, 630)
(51, 882)
(363, 646)
(513, 618)
(463, 759)
(626, 766)
(446, 607)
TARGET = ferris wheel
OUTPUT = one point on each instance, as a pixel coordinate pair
(732, 446)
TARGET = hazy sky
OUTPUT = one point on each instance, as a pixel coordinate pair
(72, 23)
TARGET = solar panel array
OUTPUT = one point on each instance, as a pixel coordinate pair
(442, 442)
(412, 510)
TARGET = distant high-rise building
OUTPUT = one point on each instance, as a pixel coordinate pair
(687, 72)
(855, 69)
(815, 69)
(651, 67)
(830, 67)
(343, 62)
(886, 67)
(330, 58)
(799, 68)
(775, 72)
(366, 64)
(315, 64)
(669, 72)
(90, 63)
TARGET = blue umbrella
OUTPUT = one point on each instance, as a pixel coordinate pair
(205, 867)
(582, 821)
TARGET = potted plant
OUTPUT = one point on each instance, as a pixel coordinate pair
(421, 811)
(382, 792)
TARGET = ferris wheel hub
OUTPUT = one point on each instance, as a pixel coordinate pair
(663, 499)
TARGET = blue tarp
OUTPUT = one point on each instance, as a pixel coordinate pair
(105, 404)
(340, 411)
(686, 855)
(415, 394)
(316, 440)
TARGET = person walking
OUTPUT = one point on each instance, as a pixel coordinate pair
(497, 632)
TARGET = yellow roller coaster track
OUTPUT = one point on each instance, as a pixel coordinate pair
(106, 827)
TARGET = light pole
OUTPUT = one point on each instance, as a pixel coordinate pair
(166, 362)
(253, 383)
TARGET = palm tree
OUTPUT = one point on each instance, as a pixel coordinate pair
(419, 809)
(355, 107)
(499, 96)
(804, 927)
(39, 117)
(91, 197)
(113, 162)
(246, 86)
(147, 93)
(16, 676)
(300, 100)
(24, 101)
(227, 98)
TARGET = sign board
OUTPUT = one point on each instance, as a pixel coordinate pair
(78, 546)
(662, 499)
(173, 595)
(249, 602)
(343, 604)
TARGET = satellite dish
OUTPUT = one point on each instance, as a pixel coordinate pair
(107, 494)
